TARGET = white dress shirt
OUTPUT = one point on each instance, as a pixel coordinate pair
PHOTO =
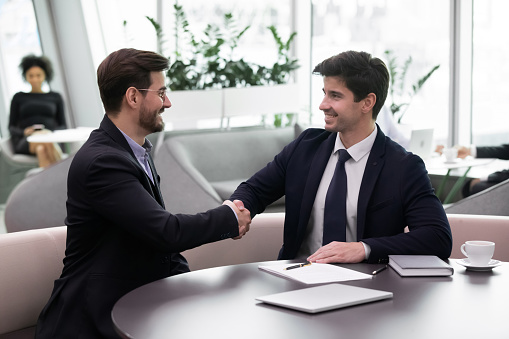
(354, 169)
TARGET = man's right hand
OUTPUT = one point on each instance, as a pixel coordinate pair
(243, 216)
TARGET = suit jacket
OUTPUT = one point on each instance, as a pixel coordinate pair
(395, 192)
(499, 152)
(119, 237)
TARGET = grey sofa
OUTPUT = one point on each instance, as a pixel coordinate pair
(201, 170)
(492, 201)
(39, 200)
(13, 168)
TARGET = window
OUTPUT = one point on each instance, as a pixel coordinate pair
(419, 29)
(490, 73)
(124, 24)
(18, 37)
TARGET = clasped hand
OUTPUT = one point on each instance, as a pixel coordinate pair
(243, 215)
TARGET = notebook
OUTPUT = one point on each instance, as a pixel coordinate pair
(420, 265)
(421, 142)
(324, 297)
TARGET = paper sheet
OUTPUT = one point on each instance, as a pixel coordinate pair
(316, 273)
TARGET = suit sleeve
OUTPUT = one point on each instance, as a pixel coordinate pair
(114, 187)
(15, 131)
(60, 116)
(268, 184)
(429, 230)
(499, 152)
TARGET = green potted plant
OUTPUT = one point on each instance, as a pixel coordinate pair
(399, 94)
(208, 65)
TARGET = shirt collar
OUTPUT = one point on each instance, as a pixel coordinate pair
(360, 149)
(139, 151)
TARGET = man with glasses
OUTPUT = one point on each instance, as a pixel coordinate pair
(119, 235)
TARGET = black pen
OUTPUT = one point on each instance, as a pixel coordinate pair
(379, 270)
(307, 263)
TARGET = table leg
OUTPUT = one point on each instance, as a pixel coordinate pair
(442, 184)
(456, 187)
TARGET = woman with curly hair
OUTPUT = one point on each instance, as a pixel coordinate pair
(36, 112)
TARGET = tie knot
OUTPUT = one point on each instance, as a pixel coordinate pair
(343, 155)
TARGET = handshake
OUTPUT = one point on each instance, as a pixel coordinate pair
(243, 216)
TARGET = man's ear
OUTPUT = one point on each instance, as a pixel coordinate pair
(368, 102)
(131, 97)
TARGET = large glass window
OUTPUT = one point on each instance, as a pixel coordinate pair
(124, 23)
(490, 72)
(18, 37)
(416, 29)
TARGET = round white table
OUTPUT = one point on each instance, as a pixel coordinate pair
(72, 138)
(439, 163)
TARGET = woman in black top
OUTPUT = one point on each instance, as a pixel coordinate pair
(36, 112)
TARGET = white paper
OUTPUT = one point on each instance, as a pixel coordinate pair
(316, 273)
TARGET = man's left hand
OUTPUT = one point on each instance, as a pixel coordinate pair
(339, 252)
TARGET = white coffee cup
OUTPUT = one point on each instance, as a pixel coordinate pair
(479, 252)
(450, 154)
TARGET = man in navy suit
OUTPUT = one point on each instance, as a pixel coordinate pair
(119, 235)
(387, 187)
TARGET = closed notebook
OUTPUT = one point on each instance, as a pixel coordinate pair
(324, 297)
(420, 265)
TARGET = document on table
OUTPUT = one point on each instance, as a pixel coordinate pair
(315, 273)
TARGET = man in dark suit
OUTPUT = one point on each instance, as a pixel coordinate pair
(387, 187)
(119, 235)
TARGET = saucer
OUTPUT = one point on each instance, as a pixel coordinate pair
(492, 264)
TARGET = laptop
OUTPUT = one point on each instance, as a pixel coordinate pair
(324, 297)
(421, 142)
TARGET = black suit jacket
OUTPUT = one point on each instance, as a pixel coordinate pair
(499, 152)
(395, 192)
(119, 237)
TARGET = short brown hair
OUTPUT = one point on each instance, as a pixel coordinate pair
(126, 68)
(362, 74)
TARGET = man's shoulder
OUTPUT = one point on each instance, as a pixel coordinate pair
(99, 145)
(396, 155)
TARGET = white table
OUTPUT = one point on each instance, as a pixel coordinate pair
(72, 138)
(220, 303)
(439, 163)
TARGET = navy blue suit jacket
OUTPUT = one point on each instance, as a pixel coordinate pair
(119, 237)
(395, 192)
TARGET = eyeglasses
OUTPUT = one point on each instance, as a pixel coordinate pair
(160, 92)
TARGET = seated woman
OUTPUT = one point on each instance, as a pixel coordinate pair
(36, 112)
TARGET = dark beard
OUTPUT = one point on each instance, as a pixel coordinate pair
(148, 121)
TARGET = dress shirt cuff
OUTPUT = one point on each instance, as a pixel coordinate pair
(367, 250)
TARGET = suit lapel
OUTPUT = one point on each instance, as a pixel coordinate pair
(157, 179)
(314, 177)
(153, 188)
(374, 166)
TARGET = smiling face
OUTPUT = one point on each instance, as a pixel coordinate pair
(35, 77)
(154, 104)
(342, 113)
